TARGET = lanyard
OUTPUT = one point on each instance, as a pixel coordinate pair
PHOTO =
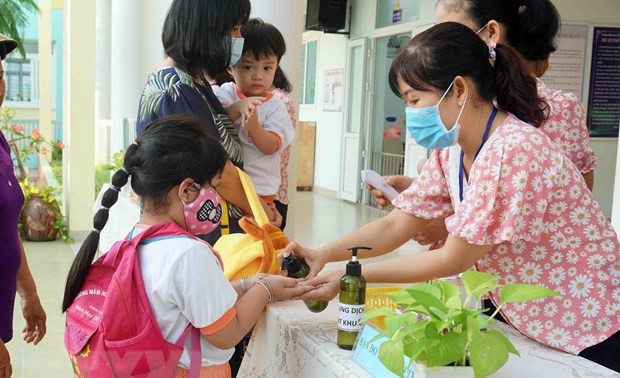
(484, 138)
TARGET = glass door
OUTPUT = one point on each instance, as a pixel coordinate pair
(386, 131)
(353, 120)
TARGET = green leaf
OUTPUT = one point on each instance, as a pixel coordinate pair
(478, 283)
(428, 301)
(375, 313)
(394, 323)
(451, 294)
(414, 330)
(443, 349)
(488, 353)
(416, 349)
(523, 292)
(391, 354)
(426, 288)
(399, 296)
(380, 335)
(509, 346)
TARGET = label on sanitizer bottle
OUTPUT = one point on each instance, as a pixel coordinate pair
(349, 316)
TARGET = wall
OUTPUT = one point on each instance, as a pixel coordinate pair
(595, 12)
(606, 13)
(329, 125)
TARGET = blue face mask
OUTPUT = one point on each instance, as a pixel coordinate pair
(427, 128)
(236, 50)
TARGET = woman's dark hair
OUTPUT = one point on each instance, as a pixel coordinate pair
(169, 150)
(280, 81)
(262, 39)
(436, 56)
(531, 25)
(196, 33)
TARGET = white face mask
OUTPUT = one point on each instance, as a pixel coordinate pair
(236, 50)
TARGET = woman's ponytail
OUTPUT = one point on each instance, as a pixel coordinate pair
(88, 250)
(516, 88)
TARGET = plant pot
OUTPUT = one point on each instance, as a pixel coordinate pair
(37, 218)
(419, 370)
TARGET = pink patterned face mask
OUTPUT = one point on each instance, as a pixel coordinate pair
(204, 214)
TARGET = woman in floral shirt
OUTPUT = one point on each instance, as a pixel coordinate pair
(531, 29)
(521, 209)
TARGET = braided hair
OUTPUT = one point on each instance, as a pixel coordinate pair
(169, 150)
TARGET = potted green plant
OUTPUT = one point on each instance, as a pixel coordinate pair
(442, 334)
(41, 218)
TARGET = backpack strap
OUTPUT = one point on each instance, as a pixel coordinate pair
(165, 231)
(195, 351)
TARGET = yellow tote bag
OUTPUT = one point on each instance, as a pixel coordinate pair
(256, 250)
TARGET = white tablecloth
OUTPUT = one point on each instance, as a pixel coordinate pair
(289, 341)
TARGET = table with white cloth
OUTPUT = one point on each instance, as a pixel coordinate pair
(289, 341)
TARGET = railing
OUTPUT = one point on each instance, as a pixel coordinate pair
(57, 131)
(388, 164)
(129, 131)
(102, 141)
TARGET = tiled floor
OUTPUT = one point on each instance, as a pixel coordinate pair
(317, 220)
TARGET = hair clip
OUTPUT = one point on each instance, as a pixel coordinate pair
(135, 142)
(522, 9)
(492, 53)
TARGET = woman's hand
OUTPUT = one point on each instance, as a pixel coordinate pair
(435, 231)
(35, 317)
(399, 183)
(6, 369)
(313, 257)
(326, 286)
(285, 288)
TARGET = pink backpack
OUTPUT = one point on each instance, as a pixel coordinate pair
(110, 329)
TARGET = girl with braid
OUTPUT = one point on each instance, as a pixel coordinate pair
(175, 168)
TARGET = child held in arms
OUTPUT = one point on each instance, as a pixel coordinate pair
(265, 128)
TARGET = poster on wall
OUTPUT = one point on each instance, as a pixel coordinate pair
(332, 90)
(566, 65)
(604, 94)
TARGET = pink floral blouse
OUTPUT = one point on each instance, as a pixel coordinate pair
(282, 194)
(567, 127)
(530, 202)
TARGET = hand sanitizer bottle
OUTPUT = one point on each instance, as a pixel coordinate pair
(351, 301)
(297, 268)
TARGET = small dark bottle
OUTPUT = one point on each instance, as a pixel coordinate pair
(351, 302)
(297, 268)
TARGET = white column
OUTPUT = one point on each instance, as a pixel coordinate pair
(125, 67)
(153, 17)
(79, 95)
(288, 17)
(45, 70)
(102, 78)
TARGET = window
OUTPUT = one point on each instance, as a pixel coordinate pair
(21, 79)
(307, 87)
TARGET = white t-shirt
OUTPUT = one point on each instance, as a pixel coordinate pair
(264, 170)
(185, 284)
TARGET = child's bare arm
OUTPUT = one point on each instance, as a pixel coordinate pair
(267, 142)
(242, 108)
